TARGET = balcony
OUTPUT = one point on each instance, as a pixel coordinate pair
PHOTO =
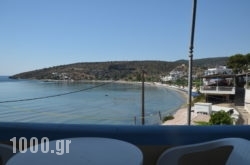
(151, 140)
(218, 90)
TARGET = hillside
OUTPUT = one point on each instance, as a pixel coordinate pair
(116, 70)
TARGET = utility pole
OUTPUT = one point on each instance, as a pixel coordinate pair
(191, 63)
(142, 100)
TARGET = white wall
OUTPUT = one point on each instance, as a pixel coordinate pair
(247, 100)
(203, 108)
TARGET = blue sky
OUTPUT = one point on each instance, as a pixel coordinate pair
(42, 33)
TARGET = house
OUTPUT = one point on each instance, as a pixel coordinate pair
(218, 70)
(173, 76)
(219, 84)
(225, 87)
(221, 87)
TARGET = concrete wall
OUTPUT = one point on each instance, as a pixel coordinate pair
(205, 108)
(247, 100)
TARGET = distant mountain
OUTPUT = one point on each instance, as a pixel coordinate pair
(116, 70)
(211, 62)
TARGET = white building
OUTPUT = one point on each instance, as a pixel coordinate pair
(218, 70)
(247, 100)
(173, 76)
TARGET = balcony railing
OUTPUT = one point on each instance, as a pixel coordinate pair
(152, 140)
(217, 90)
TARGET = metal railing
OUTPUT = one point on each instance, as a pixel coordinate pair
(217, 89)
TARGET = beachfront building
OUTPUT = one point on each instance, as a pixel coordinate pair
(225, 87)
(218, 84)
(220, 87)
(218, 70)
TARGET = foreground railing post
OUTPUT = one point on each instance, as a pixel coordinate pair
(191, 63)
(142, 100)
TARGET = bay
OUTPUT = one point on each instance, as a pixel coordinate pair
(84, 102)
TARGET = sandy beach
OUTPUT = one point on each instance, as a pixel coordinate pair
(180, 116)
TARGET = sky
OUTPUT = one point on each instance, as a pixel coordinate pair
(36, 34)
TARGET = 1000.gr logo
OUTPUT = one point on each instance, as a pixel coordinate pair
(62, 146)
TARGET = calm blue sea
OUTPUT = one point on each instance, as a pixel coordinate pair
(83, 102)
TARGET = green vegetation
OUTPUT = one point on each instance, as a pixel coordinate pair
(197, 83)
(118, 70)
(218, 118)
(169, 117)
(200, 98)
(239, 62)
(202, 123)
(181, 82)
(221, 118)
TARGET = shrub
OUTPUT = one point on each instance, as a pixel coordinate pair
(221, 118)
(202, 123)
(169, 117)
(200, 98)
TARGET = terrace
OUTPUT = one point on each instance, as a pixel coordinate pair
(218, 90)
(151, 140)
(218, 84)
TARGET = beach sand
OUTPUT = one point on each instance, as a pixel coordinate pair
(180, 116)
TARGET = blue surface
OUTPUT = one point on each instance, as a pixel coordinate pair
(139, 135)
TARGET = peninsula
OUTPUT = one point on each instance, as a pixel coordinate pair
(117, 70)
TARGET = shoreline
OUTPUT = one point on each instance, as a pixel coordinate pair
(181, 91)
(180, 113)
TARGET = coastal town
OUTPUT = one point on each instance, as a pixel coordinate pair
(220, 87)
(223, 91)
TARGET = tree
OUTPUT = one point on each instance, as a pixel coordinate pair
(221, 118)
(238, 63)
(181, 82)
(247, 56)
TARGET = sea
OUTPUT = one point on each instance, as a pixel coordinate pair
(74, 102)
